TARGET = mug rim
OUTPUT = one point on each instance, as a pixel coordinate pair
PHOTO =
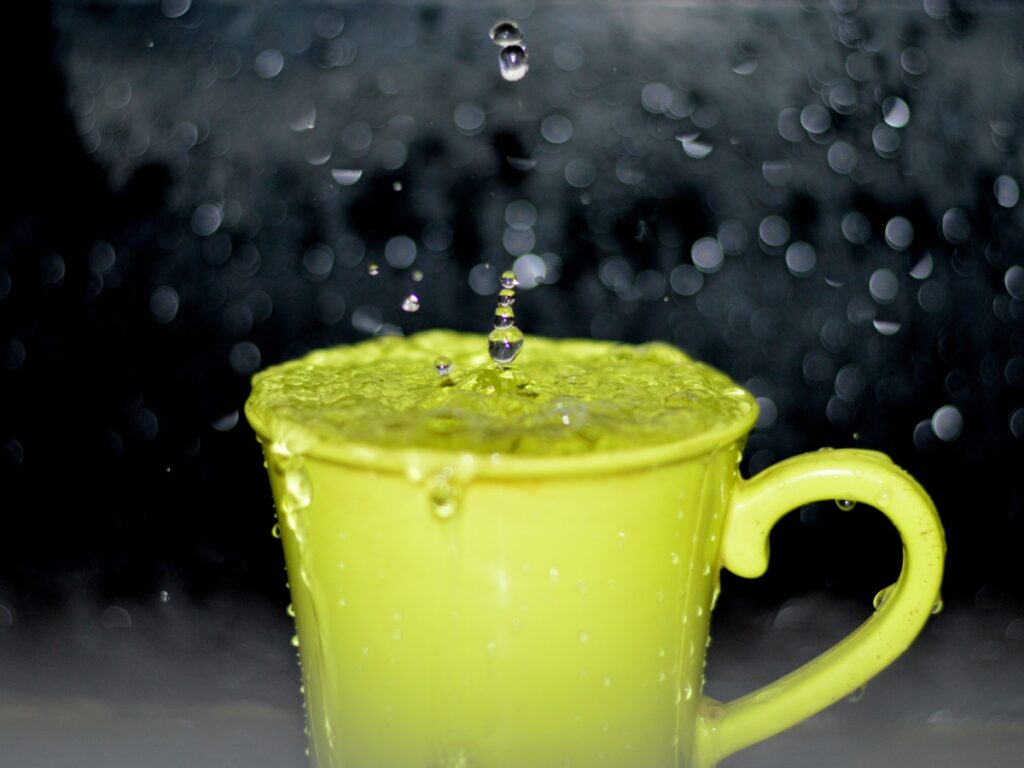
(406, 461)
(287, 435)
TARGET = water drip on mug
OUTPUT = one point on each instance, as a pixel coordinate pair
(846, 504)
(444, 497)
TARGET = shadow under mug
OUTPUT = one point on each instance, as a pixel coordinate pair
(455, 612)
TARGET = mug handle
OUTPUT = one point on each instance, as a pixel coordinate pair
(756, 505)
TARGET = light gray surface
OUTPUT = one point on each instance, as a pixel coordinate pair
(216, 685)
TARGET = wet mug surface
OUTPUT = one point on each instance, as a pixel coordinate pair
(466, 607)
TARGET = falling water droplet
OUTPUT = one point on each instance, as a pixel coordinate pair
(411, 303)
(508, 280)
(513, 63)
(504, 344)
(373, 269)
(443, 365)
(417, 275)
(295, 641)
(504, 317)
(506, 297)
(845, 504)
(506, 33)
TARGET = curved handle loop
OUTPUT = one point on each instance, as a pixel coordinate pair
(756, 505)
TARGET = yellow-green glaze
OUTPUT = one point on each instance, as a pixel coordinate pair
(545, 602)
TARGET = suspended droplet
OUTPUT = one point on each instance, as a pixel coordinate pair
(290, 610)
(506, 297)
(882, 596)
(295, 641)
(444, 497)
(845, 504)
(506, 33)
(276, 531)
(417, 275)
(513, 63)
(508, 280)
(411, 303)
(937, 606)
(443, 365)
(373, 269)
(504, 317)
(504, 344)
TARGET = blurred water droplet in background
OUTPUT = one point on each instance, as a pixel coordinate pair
(947, 423)
(346, 177)
(268, 63)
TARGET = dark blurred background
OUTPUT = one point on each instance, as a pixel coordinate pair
(820, 198)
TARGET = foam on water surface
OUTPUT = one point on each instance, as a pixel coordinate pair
(560, 397)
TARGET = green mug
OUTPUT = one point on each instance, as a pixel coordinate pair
(474, 598)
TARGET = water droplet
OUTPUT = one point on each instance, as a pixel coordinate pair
(411, 303)
(506, 33)
(276, 531)
(504, 344)
(675, 559)
(882, 596)
(857, 695)
(887, 327)
(373, 269)
(504, 317)
(513, 63)
(506, 297)
(346, 177)
(508, 280)
(290, 610)
(937, 606)
(295, 641)
(443, 365)
(522, 163)
(417, 276)
(845, 504)
(297, 491)
(444, 497)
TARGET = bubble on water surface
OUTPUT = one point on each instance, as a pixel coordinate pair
(443, 365)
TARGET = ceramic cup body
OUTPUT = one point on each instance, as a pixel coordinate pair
(543, 621)
(461, 609)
